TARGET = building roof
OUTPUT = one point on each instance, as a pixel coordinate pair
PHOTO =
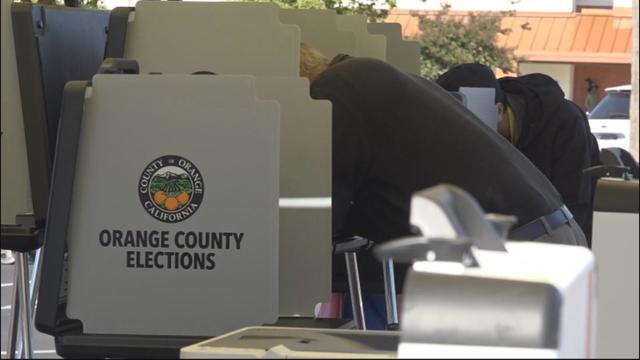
(590, 36)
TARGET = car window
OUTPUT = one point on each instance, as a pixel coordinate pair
(613, 106)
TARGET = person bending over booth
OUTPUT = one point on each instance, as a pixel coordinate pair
(552, 132)
(395, 133)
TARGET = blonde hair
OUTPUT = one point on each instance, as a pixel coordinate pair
(312, 62)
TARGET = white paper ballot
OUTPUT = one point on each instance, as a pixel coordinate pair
(481, 102)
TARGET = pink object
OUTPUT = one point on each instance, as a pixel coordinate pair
(331, 309)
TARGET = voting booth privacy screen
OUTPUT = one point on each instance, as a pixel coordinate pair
(405, 55)
(199, 37)
(16, 195)
(53, 45)
(182, 215)
(184, 37)
(319, 29)
(367, 44)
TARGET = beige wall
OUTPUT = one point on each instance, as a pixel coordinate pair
(604, 75)
(562, 73)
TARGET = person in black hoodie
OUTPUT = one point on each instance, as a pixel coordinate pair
(549, 130)
(554, 134)
(395, 134)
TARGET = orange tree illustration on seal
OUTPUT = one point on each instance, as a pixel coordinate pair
(171, 191)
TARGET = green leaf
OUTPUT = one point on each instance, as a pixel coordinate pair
(447, 41)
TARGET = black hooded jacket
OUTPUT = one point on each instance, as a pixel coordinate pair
(594, 160)
(394, 134)
(555, 136)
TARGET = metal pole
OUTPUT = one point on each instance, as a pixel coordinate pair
(34, 285)
(390, 293)
(15, 316)
(34, 282)
(354, 290)
(22, 265)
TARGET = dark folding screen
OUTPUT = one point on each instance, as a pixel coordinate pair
(53, 45)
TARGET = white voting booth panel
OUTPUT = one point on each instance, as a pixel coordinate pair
(16, 194)
(305, 135)
(405, 55)
(319, 29)
(222, 37)
(305, 193)
(367, 45)
(206, 134)
(615, 245)
(268, 49)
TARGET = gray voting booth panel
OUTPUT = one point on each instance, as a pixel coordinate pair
(226, 38)
(207, 135)
(304, 275)
(367, 45)
(306, 124)
(615, 246)
(16, 195)
(405, 55)
(319, 29)
(305, 193)
(53, 44)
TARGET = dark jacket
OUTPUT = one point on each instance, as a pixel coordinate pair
(394, 134)
(594, 160)
(555, 137)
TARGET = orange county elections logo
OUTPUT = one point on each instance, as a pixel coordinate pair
(171, 188)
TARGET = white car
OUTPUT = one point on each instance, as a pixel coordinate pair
(609, 120)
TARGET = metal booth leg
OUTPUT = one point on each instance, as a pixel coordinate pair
(354, 290)
(34, 285)
(15, 316)
(22, 266)
(390, 294)
(34, 281)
